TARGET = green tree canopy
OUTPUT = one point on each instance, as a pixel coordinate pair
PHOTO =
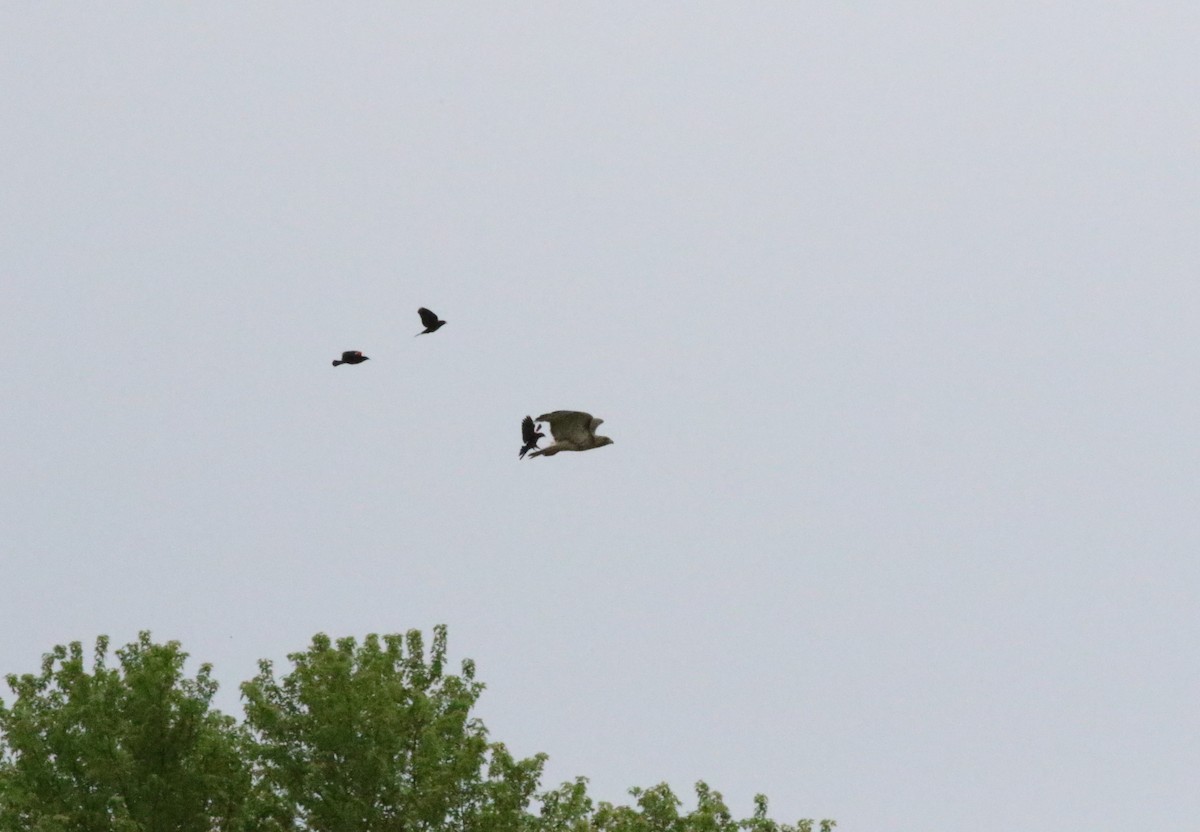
(374, 736)
(132, 747)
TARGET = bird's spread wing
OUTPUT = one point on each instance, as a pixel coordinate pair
(568, 425)
(346, 356)
(427, 318)
(528, 431)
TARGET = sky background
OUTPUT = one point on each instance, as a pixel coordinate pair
(891, 311)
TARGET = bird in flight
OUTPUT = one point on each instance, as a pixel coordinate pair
(573, 431)
(429, 321)
(529, 435)
(351, 357)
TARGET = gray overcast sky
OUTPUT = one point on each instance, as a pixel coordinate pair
(891, 311)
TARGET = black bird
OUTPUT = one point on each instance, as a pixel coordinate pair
(429, 321)
(530, 434)
(351, 357)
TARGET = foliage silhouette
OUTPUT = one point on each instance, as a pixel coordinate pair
(374, 736)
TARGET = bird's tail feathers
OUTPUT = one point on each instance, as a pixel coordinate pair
(335, 363)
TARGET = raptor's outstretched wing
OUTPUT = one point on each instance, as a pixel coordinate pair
(569, 425)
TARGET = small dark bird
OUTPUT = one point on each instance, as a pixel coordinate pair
(429, 321)
(530, 434)
(351, 357)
